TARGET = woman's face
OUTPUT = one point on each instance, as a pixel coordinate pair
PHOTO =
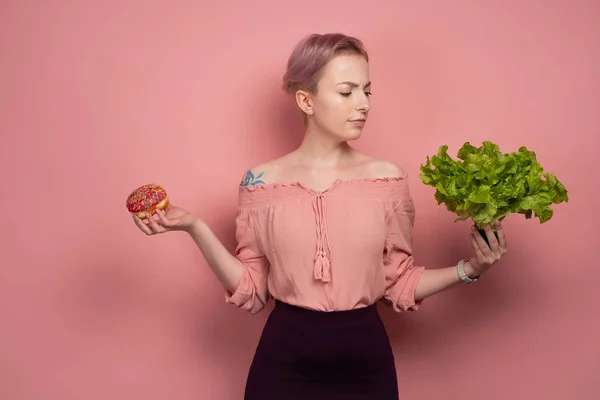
(340, 106)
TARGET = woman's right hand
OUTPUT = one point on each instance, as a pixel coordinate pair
(171, 219)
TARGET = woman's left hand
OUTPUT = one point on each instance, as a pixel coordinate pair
(486, 255)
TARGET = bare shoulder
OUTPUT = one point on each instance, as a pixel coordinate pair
(262, 173)
(379, 168)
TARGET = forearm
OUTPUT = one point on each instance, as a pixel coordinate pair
(226, 267)
(433, 281)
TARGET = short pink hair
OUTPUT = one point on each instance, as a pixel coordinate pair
(313, 53)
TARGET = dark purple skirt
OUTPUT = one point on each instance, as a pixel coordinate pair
(313, 355)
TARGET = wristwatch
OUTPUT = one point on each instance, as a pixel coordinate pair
(461, 273)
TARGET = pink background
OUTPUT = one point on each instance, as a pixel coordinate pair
(99, 97)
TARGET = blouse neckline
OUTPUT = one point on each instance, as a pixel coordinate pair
(285, 186)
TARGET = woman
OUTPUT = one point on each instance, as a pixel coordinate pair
(326, 232)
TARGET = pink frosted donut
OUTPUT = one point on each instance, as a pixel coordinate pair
(147, 199)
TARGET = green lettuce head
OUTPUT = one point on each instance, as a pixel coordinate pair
(486, 185)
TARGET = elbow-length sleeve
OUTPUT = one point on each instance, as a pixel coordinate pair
(252, 292)
(401, 273)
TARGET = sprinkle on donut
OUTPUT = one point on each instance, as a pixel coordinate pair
(145, 197)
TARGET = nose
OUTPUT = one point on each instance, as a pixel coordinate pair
(364, 104)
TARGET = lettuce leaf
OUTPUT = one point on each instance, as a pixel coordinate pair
(486, 185)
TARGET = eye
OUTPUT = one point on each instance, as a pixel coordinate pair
(368, 93)
(346, 94)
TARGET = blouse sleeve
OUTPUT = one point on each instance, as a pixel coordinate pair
(252, 292)
(401, 273)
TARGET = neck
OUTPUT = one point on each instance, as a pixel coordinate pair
(322, 150)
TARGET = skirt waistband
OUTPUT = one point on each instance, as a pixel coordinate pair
(356, 314)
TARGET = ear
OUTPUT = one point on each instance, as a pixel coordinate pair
(304, 101)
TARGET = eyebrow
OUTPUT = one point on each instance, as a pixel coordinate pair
(353, 84)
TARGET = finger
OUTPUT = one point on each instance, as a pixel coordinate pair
(477, 248)
(492, 240)
(163, 218)
(501, 237)
(483, 246)
(153, 224)
(140, 224)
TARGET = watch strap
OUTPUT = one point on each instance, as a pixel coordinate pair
(462, 275)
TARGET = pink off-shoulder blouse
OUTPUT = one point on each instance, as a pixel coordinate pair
(338, 249)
